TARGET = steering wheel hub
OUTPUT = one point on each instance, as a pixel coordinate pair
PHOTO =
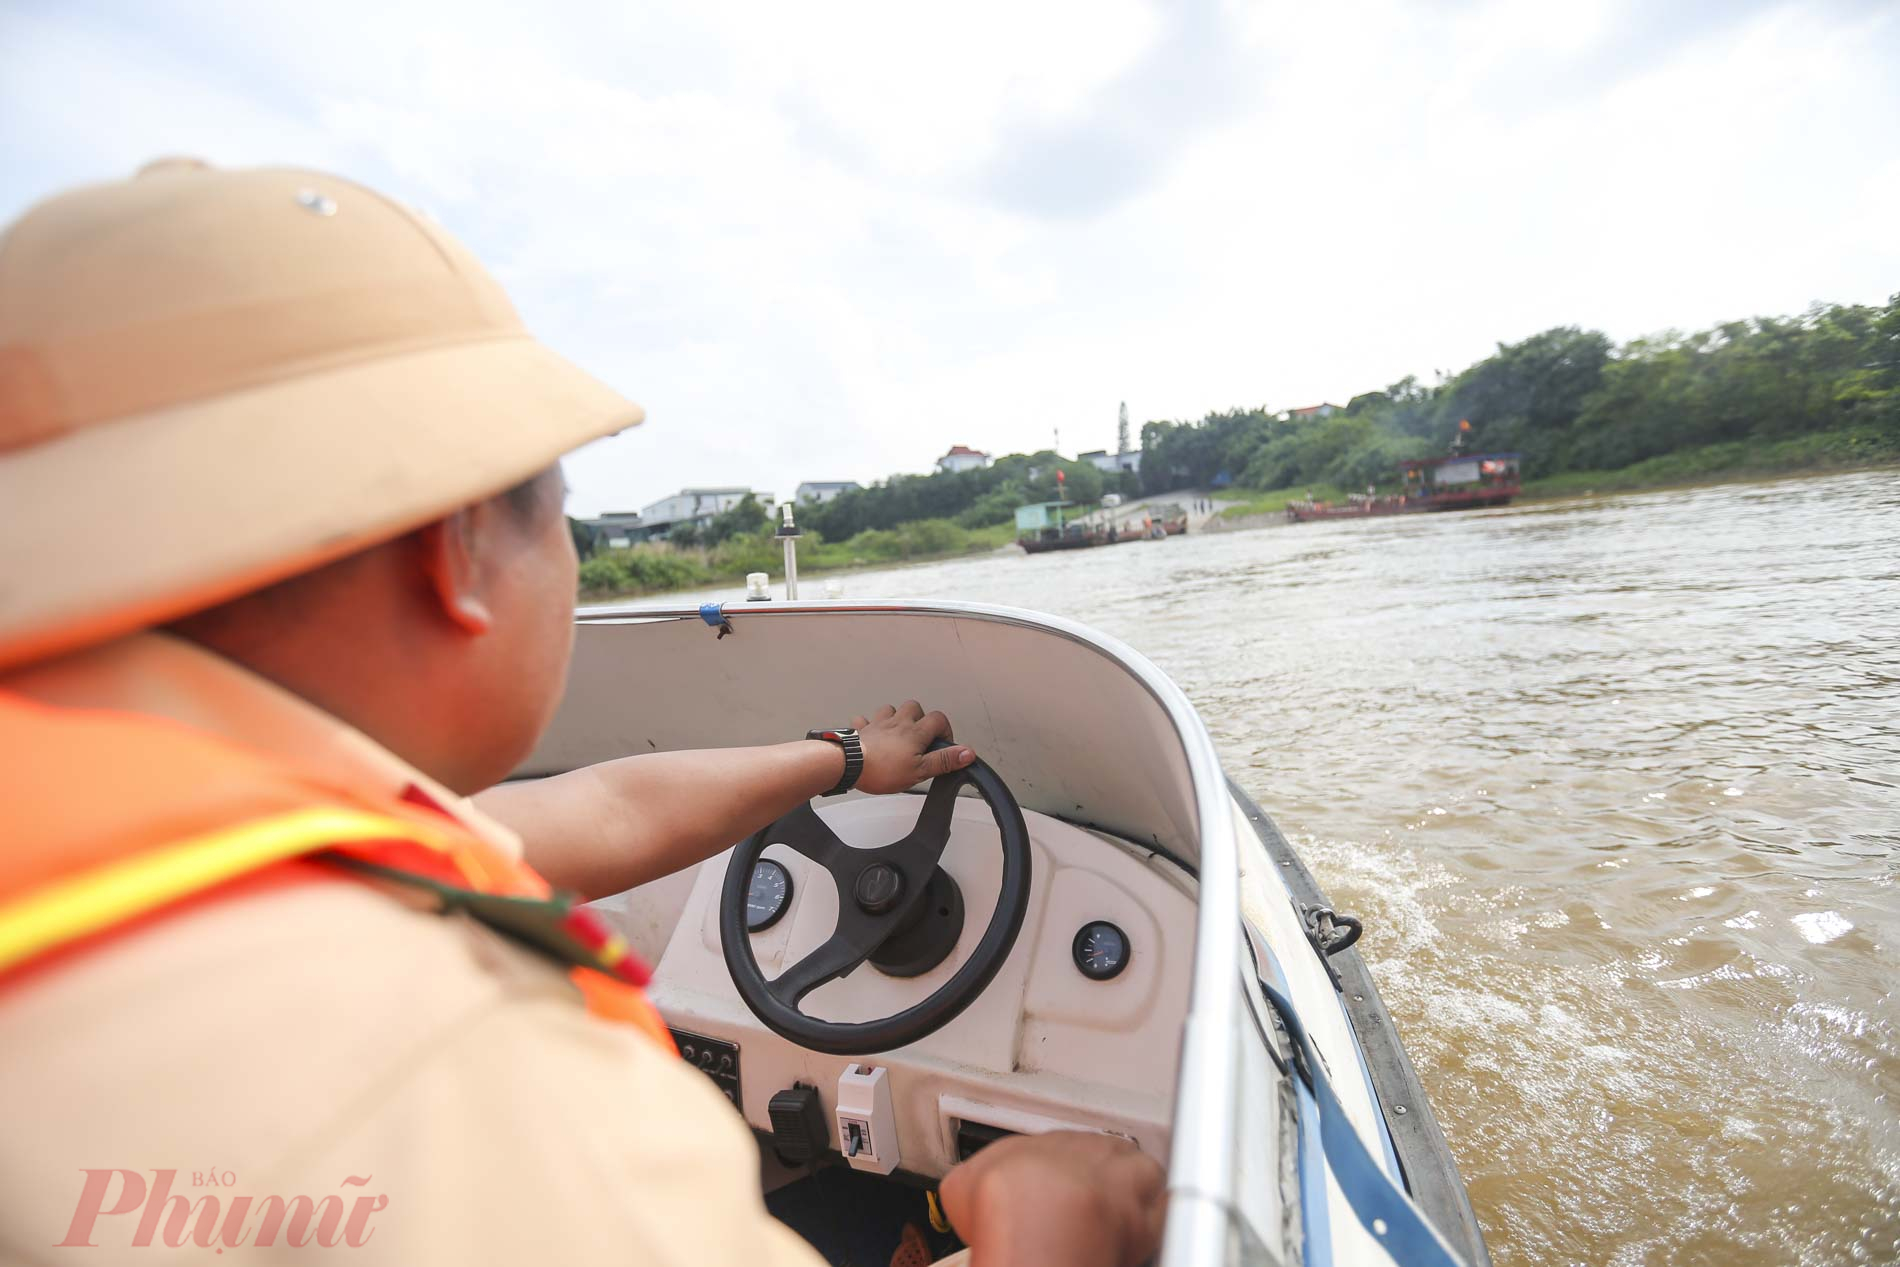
(878, 888)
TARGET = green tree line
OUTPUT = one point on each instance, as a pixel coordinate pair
(1572, 400)
(671, 566)
(970, 499)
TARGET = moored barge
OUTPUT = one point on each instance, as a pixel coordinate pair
(1462, 481)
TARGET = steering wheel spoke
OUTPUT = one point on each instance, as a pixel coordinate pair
(836, 958)
(920, 850)
(803, 831)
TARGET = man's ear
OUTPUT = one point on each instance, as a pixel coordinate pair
(449, 560)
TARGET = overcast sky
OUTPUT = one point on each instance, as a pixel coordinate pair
(827, 241)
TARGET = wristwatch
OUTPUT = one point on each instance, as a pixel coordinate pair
(847, 739)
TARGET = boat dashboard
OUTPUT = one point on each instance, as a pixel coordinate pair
(1079, 1028)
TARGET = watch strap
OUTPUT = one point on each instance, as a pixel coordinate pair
(847, 739)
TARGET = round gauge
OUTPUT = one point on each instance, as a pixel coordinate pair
(1101, 950)
(767, 896)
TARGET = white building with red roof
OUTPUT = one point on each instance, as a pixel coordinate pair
(963, 458)
(1314, 411)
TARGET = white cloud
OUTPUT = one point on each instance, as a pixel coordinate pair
(824, 241)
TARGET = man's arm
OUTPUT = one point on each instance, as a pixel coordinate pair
(609, 827)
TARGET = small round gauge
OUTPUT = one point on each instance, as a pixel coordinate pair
(767, 896)
(1100, 949)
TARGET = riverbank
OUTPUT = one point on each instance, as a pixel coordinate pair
(1816, 454)
(644, 571)
(1251, 505)
(1819, 453)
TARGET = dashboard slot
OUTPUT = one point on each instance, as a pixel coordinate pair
(973, 1137)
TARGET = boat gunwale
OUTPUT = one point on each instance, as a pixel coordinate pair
(1424, 1154)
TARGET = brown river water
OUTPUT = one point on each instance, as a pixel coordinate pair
(1615, 785)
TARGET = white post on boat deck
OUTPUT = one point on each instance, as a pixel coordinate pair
(788, 535)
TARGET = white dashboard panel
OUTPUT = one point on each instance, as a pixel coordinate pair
(1042, 1045)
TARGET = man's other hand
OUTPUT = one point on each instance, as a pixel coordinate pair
(1058, 1199)
(895, 742)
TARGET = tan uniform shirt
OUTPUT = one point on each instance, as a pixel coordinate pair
(324, 1040)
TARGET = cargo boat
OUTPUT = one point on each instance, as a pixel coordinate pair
(1461, 481)
(1040, 529)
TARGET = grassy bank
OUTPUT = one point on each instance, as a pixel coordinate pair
(1274, 503)
(660, 568)
(1746, 459)
(1817, 452)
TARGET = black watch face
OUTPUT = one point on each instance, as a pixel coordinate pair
(767, 896)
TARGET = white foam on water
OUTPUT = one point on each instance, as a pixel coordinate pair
(1821, 927)
(1727, 972)
(1842, 1021)
(1556, 1018)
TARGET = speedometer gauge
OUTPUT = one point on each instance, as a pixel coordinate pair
(1100, 949)
(767, 895)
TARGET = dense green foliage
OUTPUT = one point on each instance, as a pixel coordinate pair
(748, 517)
(745, 518)
(1815, 451)
(641, 568)
(647, 569)
(1570, 400)
(973, 499)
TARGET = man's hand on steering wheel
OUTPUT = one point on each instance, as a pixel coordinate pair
(896, 743)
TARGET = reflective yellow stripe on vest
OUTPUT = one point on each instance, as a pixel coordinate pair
(93, 901)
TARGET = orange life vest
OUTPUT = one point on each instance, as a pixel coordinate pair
(107, 818)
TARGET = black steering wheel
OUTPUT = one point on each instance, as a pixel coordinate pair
(895, 907)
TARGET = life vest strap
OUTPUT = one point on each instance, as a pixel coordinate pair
(552, 925)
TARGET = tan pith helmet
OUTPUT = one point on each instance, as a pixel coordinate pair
(211, 380)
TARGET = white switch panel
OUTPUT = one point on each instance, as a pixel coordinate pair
(867, 1125)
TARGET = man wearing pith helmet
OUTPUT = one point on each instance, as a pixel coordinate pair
(248, 743)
